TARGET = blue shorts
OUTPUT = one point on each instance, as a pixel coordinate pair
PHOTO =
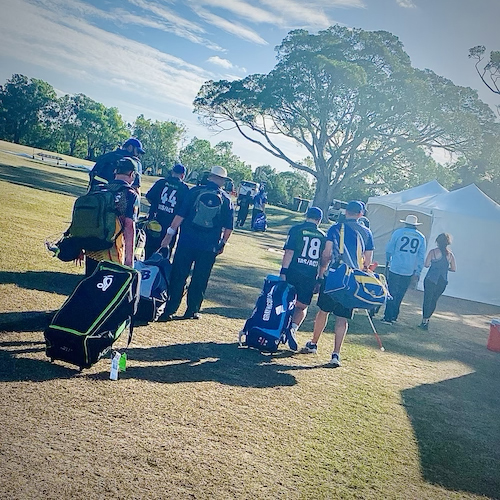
(327, 304)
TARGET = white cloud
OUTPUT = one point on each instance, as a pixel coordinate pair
(219, 61)
(230, 27)
(226, 64)
(71, 46)
(245, 10)
(407, 4)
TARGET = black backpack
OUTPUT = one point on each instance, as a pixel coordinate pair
(103, 171)
(207, 208)
(93, 221)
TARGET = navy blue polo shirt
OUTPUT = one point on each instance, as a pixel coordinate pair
(205, 239)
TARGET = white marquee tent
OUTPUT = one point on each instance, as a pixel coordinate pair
(471, 217)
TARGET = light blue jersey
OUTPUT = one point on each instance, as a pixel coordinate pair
(405, 251)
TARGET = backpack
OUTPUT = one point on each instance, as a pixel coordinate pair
(270, 322)
(94, 218)
(207, 208)
(103, 171)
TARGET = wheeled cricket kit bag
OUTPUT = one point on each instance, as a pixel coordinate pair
(270, 322)
(260, 222)
(94, 316)
(155, 276)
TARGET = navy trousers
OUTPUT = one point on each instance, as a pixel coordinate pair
(202, 262)
(398, 285)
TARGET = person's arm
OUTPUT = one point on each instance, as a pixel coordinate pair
(226, 233)
(367, 258)
(420, 257)
(429, 258)
(389, 249)
(326, 258)
(453, 264)
(129, 240)
(285, 263)
(171, 231)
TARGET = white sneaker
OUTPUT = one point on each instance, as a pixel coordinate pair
(335, 360)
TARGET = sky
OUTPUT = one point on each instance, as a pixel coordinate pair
(151, 57)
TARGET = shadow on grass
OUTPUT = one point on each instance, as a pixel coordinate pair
(45, 281)
(32, 321)
(208, 361)
(457, 430)
(44, 180)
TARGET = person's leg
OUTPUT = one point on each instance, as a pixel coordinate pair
(429, 304)
(319, 326)
(437, 290)
(299, 314)
(181, 266)
(203, 265)
(340, 332)
(398, 285)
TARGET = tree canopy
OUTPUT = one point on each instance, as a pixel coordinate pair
(352, 99)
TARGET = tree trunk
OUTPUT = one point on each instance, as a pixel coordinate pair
(321, 196)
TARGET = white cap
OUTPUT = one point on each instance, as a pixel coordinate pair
(219, 171)
(412, 220)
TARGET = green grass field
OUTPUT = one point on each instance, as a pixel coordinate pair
(196, 417)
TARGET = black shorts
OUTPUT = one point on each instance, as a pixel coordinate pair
(327, 304)
(303, 285)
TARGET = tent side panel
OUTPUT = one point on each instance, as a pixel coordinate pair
(475, 245)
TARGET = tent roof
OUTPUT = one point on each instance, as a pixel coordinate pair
(469, 200)
(415, 196)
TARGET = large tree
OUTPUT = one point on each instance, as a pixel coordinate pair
(160, 141)
(199, 156)
(25, 107)
(352, 99)
(488, 71)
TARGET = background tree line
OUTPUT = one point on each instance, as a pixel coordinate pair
(32, 114)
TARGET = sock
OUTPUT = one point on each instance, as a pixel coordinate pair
(294, 327)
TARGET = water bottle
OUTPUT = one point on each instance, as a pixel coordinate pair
(115, 361)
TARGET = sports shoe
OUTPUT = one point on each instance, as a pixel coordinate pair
(424, 326)
(310, 348)
(191, 315)
(335, 360)
(292, 341)
(386, 321)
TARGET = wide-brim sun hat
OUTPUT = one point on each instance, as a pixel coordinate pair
(412, 220)
(219, 171)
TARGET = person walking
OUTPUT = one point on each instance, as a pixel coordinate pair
(166, 197)
(358, 244)
(244, 204)
(300, 265)
(439, 260)
(405, 254)
(206, 223)
(104, 169)
(127, 210)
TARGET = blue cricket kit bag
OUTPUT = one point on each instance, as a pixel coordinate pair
(352, 287)
(270, 322)
(92, 318)
(155, 279)
(260, 222)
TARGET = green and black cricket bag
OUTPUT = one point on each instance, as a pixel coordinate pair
(93, 221)
(94, 316)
